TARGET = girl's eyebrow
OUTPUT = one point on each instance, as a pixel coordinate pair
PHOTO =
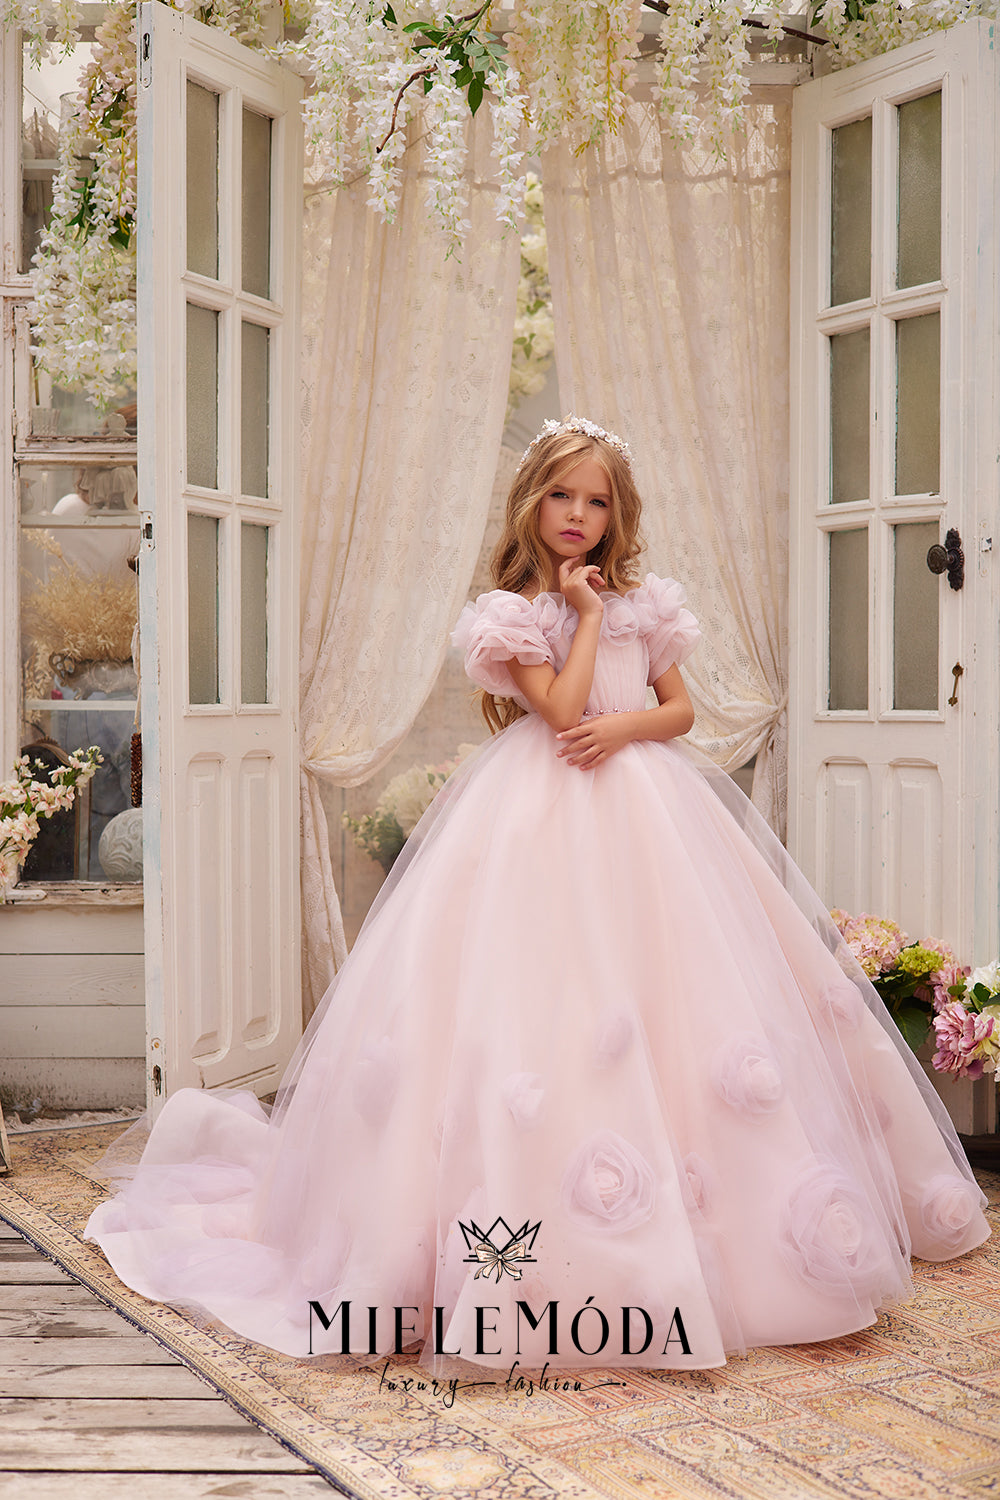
(594, 494)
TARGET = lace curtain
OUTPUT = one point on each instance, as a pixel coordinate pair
(669, 276)
(406, 361)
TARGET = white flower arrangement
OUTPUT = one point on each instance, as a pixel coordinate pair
(24, 800)
(383, 832)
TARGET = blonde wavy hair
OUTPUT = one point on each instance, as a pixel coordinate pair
(520, 563)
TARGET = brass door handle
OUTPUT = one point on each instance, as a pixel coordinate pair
(957, 671)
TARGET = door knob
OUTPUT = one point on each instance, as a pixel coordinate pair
(948, 559)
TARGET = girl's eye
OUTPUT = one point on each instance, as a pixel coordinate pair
(602, 503)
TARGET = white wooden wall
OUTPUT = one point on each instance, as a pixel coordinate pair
(72, 1015)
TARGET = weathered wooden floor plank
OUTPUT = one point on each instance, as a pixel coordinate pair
(136, 1382)
(131, 1348)
(93, 1409)
(37, 1272)
(21, 1298)
(96, 1321)
(20, 1249)
(139, 1452)
(109, 1486)
(96, 1414)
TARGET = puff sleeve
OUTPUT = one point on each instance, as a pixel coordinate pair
(495, 629)
(670, 631)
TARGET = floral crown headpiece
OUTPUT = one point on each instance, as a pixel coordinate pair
(587, 429)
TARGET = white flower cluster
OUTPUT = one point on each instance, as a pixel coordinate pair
(24, 801)
(408, 796)
(886, 25)
(676, 66)
(445, 114)
(534, 327)
(370, 77)
(84, 273)
(509, 109)
(45, 23)
(576, 62)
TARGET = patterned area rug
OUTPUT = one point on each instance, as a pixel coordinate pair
(909, 1408)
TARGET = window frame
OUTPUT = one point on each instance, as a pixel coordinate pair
(19, 446)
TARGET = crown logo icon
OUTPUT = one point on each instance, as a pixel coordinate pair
(499, 1249)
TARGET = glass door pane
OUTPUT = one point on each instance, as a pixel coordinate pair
(256, 213)
(849, 415)
(918, 405)
(254, 542)
(203, 609)
(848, 618)
(916, 595)
(918, 257)
(255, 362)
(202, 396)
(851, 213)
(202, 180)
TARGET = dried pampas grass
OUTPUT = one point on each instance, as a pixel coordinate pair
(88, 616)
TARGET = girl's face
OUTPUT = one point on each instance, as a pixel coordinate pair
(574, 513)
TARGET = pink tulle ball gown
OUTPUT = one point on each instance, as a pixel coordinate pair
(600, 1084)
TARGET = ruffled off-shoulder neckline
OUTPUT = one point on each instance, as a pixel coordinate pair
(638, 609)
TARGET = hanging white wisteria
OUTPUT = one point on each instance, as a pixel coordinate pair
(858, 30)
(379, 75)
(534, 325)
(84, 317)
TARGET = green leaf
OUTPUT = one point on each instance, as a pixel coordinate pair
(475, 94)
(915, 1023)
(389, 16)
(464, 77)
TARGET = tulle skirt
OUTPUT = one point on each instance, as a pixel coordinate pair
(600, 1084)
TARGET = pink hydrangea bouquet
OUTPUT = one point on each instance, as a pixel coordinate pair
(24, 800)
(917, 981)
(967, 1027)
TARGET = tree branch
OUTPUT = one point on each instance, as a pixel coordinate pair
(420, 73)
(467, 23)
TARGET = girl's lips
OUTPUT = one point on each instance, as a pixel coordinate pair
(576, 535)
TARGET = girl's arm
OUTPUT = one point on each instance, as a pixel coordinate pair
(561, 697)
(593, 741)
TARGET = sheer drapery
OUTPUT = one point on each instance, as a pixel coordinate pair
(406, 357)
(669, 274)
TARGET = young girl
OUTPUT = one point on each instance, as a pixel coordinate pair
(600, 1084)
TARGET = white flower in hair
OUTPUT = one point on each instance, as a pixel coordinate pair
(552, 428)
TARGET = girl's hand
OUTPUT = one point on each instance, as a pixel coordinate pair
(581, 586)
(596, 739)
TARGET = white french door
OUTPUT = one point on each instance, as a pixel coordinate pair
(893, 765)
(220, 173)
